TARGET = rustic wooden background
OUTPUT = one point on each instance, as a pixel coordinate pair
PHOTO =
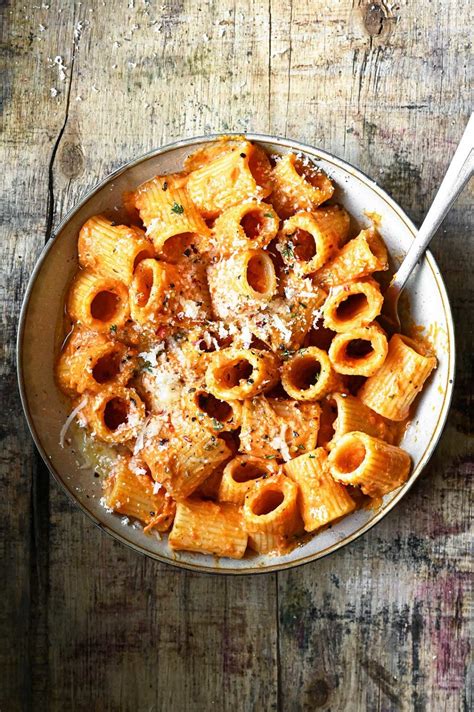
(87, 624)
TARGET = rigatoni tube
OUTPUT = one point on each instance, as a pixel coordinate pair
(392, 390)
(298, 185)
(250, 225)
(322, 499)
(351, 305)
(308, 375)
(112, 250)
(134, 495)
(240, 474)
(209, 528)
(271, 513)
(235, 373)
(369, 463)
(303, 245)
(359, 257)
(360, 351)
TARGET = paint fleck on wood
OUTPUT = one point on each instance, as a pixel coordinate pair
(86, 623)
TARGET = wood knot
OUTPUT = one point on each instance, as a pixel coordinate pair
(317, 694)
(374, 18)
(71, 159)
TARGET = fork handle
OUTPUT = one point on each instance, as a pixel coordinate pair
(459, 172)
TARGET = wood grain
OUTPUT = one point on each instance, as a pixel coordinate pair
(85, 623)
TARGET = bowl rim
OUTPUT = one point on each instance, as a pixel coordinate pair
(316, 153)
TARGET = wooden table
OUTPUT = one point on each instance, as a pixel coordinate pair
(89, 625)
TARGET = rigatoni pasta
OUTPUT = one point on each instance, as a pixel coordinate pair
(247, 226)
(392, 390)
(271, 513)
(369, 463)
(226, 350)
(352, 304)
(98, 303)
(321, 498)
(112, 250)
(209, 528)
(360, 351)
(360, 257)
(135, 495)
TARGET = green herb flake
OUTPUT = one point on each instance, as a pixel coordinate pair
(216, 424)
(288, 251)
(113, 328)
(146, 366)
(177, 208)
(268, 215)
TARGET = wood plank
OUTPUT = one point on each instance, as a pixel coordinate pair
(383, 623)
(123, 630)
(32, 122)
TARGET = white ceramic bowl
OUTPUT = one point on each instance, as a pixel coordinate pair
(40, 323)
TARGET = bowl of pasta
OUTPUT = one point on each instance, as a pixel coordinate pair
(202, 359)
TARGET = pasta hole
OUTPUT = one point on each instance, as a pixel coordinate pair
(105, 305)
(350, 456)
(247, 471)
(252, 224)
(353, 306)
(268, 501)
(304, 245)
(106, 367)
(230, 375)
(358, 349)
(115, 413)
(142, 255)
(144, 284)
(174, 246)
(305, 373)
(258, 274)
(213, 407)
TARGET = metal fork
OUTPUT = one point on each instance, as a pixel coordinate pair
(459, 172)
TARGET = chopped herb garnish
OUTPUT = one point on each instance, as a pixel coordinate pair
(270, 457)
(146, 365)
(285, 352)
(113, 328)
(216, 424)
(250, 380)
(288, 251)
(300, 447)
(165, 185)
(312, 457)
(268, 215)
(177, 208)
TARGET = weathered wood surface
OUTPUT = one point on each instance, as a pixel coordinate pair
(88, 625)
